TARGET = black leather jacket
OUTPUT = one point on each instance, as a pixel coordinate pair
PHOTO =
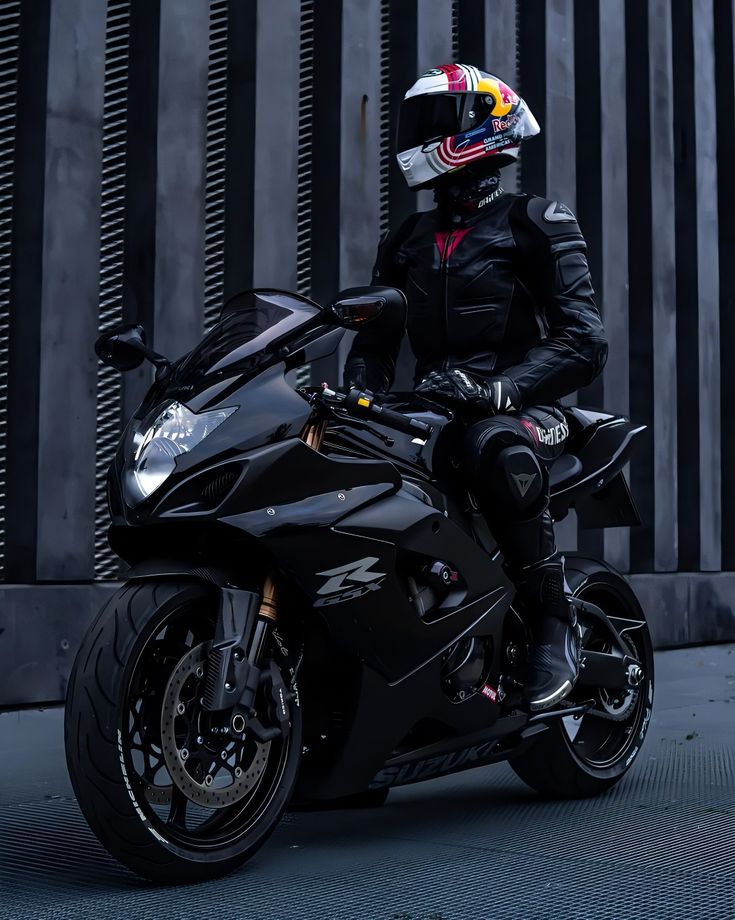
(501, 288)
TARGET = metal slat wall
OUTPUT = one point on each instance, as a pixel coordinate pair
(195, 173)
(9, 41)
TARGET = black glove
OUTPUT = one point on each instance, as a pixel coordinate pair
(457, 390)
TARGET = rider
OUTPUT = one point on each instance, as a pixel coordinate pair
(502, 322)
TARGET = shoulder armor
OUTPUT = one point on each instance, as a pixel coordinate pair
(552, 218)
(557, 213)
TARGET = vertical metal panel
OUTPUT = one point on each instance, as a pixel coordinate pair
(501, 58)
(403, 72)
(360, 144)
(325, 148)
(26, 289)
(559, 125)
(9, 42)
(434, 46)
(532, 80)
(360, 141)
(614, 232)
(560, 146)
(705, 120)
(276, 129)
(112, 242)
(664, 286)
(588, 152)
(687, 307)
(70, 288)
(214, 194)
(724, 39)
(640, 296)
(501, 51)
(182, 109)
(470, 24)
(240, 149)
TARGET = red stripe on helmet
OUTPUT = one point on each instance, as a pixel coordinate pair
(451, 157)
(456, 78)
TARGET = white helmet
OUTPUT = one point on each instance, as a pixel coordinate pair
(456, 114)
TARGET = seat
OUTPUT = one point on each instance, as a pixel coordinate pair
(563, 470)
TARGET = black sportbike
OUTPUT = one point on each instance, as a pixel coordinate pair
(314, 610)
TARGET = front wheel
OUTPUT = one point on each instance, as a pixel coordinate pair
(582, 757)
(170, 789)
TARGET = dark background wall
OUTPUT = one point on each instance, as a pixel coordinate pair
(156, 156)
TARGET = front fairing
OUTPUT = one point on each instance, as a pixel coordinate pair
(268, 410)
(240, 365)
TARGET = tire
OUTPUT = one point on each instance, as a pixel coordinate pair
(553, 765)
(101, 759)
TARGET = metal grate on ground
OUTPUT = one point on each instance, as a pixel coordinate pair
(475, 846)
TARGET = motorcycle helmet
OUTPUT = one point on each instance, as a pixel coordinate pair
(456, 114)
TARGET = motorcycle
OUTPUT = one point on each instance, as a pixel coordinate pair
(315, 611)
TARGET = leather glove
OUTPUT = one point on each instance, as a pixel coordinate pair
(457, 390)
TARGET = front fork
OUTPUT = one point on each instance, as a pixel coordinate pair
(237, 672)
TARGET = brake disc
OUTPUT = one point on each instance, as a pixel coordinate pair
(212, 774)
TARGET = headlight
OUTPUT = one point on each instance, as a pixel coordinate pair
(175, 431)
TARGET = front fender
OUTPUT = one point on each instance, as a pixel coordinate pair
(219, 576)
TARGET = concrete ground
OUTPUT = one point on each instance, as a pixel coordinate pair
(478, 846)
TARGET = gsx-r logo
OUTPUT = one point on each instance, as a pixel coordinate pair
(340, 587)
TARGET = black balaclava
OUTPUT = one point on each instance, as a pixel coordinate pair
(460, 195)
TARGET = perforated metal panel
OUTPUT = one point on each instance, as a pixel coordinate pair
(112, 245)
(385, 115)
(455, 30)
(214, 200)
(9, 35)
(306, 113)
(304, 196)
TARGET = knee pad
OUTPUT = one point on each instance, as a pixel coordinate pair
(520, 481)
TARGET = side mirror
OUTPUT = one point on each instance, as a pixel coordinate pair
(359, 305)
(124, 348)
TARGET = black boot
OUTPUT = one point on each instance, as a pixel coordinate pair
(553, 663)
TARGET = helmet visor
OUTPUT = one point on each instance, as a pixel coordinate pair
(432, 117)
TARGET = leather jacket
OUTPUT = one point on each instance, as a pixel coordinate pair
(495, 284)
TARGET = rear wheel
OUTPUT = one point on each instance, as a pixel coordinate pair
(173, 791)
(578, 757)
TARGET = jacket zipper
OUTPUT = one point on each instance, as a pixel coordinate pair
(444, 267)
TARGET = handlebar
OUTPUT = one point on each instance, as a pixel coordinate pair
(361, 404)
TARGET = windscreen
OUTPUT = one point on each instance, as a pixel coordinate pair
(250, 322)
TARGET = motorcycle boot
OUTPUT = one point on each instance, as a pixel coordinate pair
(553, 663)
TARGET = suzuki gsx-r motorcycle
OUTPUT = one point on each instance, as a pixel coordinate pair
(315, 612)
